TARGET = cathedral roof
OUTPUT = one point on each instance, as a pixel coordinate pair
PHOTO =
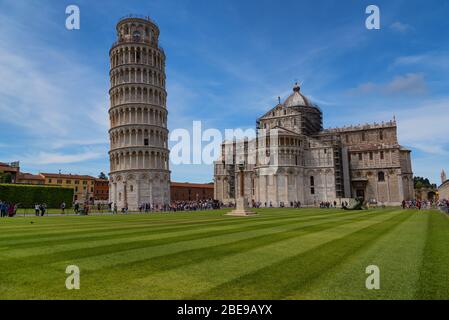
(297, 99)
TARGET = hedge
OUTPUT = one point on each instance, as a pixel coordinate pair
(28, 195)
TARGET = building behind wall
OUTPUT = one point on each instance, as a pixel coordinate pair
(294, 159)
(85, 187)
(82, 185)
(101, 189)
(29, 178)
(191, 191)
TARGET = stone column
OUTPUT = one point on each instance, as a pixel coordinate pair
(138, 192)
(400, 188)
(275, 184)
(241, 202)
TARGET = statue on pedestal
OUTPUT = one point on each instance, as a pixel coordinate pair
(241, 205)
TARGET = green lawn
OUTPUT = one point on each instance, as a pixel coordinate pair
(278, 254)
(30, 211)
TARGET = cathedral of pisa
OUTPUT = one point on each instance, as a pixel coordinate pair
(308, 164)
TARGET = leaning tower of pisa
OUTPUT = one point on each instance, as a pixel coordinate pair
(139, 154)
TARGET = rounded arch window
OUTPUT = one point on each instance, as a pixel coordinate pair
(136, 35)
(381, 176)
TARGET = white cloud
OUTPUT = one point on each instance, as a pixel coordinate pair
(400, 27)
(407, 60)
(437, 60)
(411, 83)
(50, 97)
(45, 158)
(425, 126)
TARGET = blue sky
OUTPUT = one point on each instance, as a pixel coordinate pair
(227, 61)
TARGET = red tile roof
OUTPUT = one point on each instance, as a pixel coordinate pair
(29, 176)
(67, 176)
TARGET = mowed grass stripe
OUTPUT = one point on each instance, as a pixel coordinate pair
(149, 238)
(194, 251)
(21, 224)
(398, 254)
(70, 227)
(118, 247)
(255, 240)
(301, 268)
(46, 278)
(187, 281)
(215, 263)
(434, 273)
(127, 229)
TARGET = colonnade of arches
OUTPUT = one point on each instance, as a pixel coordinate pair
(120, 138)
(126, 115)
(142, 75)
(126, 160)
(137, 54)
(137, 94)
(290, 156)
(148, 31)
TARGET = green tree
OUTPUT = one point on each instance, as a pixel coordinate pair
(421, 182)
(418, 185)
(5, 177)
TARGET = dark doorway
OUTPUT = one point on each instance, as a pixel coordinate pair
(360, 193)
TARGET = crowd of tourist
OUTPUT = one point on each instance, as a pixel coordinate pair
(191, 205)
(8, 209)
(148, 207)
(417, 204)
(328, 204)
(443, 205)
(195, 205)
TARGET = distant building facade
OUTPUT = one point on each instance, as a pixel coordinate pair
(85, 187)
(28, 178)
(191, 191)
(101, 189)
(295, 159)
(10, 168)
(443, 189)
(82, 185)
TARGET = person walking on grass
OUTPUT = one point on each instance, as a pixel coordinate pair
(63, 207)
(11, 210)
(2, 209)
(43, 208)
(36, 209)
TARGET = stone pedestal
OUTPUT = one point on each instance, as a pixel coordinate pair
(241, 208)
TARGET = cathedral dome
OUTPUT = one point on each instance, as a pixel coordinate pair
(297, 99)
